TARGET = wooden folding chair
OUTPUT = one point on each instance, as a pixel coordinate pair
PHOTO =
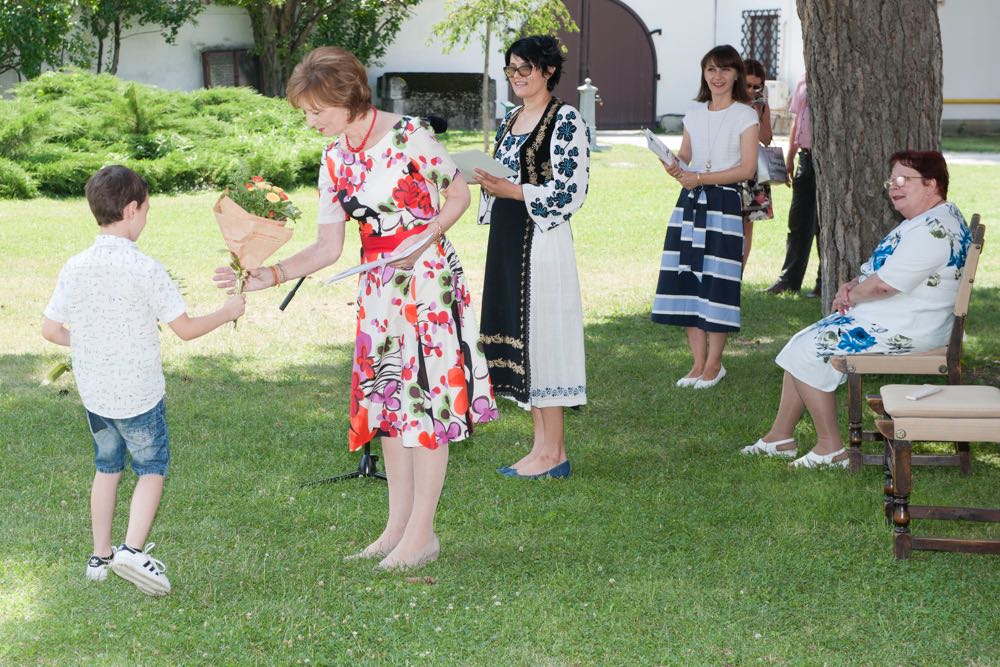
(946, 361)
(967, 412)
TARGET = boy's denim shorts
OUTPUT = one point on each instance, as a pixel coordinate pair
(143, 436)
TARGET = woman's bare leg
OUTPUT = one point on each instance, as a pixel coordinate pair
(419, 544)
(713, 357)
(553, 450)
(822, 407)
(538, 444)
(399, 473)
(747, 240)
(698, 344)
(790, 410)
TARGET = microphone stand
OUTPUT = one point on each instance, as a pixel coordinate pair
(368, 465)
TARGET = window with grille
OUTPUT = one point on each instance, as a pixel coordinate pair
(760, 38)
(236, 67)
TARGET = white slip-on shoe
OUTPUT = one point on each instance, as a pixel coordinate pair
(705, 384)
(687, 382)
(141, 569)
(811, 460)
(770, 448)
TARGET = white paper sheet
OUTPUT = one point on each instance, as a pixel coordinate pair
(402, 251)
(468, 161)
(661, 151)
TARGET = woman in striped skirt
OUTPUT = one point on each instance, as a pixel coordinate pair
(701, 266)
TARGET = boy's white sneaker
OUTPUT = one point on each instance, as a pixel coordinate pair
(97, 567)
(141, 569)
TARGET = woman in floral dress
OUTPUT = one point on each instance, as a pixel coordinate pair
(532, 322)
(902, 302)
(419, 379)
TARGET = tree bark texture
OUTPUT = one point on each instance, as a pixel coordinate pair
(874, 88)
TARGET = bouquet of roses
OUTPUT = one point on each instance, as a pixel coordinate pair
(252, 215)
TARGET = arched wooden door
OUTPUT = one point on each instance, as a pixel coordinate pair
(613, 49)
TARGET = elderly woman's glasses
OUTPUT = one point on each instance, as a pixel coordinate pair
(898, 181)
(524, 70)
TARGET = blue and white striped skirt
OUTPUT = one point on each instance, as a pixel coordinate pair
(702, 264)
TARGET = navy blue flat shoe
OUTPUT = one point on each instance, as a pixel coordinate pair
(506, 471)
(561, 471)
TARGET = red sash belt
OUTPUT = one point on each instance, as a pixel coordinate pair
(377, 245)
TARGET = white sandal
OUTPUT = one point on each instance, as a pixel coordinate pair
(811, 460)
(770, 448)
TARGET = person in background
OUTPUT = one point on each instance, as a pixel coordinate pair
(902, 302)
(803, 218)
(756, 196)
(532, 322)
(702, 263)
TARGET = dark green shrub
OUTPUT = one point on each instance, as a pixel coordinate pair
(66, 177)
(15, 182)
(60, 127)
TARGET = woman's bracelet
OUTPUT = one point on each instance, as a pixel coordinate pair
(698, 174)
(281, 271)
(440, 232)
(274, 272)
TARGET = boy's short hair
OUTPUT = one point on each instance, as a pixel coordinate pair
(111, 189)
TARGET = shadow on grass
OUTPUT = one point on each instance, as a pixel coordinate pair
(661, 511)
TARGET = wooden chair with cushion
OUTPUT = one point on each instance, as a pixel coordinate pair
(944, 361)
(964, 412)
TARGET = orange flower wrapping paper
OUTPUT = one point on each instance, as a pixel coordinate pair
(251, 238)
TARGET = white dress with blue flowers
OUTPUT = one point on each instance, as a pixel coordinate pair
(555, 346)
(923, 258)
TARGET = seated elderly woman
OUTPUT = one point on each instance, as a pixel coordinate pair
(901, 303)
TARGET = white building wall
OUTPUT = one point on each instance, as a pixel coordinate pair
(146, 57)
(968, 28)
(689, 29)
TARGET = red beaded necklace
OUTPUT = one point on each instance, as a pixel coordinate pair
(364, 141)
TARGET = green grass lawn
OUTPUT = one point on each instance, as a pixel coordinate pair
(665, 547)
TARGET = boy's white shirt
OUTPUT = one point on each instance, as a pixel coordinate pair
(111, 297)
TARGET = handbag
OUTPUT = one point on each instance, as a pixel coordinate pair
(771, 165)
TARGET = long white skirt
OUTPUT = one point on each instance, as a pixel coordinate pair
(555, 328)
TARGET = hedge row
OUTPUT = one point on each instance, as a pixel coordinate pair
(61, 127)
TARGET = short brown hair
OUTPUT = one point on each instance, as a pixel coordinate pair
(113, 188)
(330, 77)
(929, 164)
(727, 57)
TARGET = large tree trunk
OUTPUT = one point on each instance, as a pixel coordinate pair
(117, 45)
(874, 81)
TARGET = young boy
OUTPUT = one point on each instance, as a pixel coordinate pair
(111, 296)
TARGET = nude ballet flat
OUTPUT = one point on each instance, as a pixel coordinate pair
(428, 556)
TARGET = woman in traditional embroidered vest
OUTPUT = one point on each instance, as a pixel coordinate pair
(702, 264)
(532, 317)
(420, 380)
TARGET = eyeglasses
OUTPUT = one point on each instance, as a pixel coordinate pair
(524, 71)
(898, 181)
(755, 89)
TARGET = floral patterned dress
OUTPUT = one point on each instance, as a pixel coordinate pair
(419, 372)
(923, 258)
